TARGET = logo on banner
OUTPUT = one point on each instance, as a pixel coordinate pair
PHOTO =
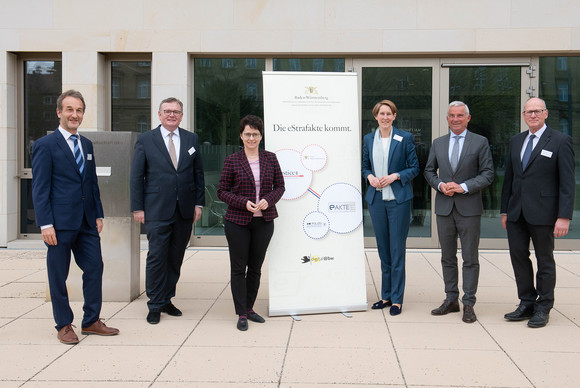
(314, 259)
(311, 90)
(342, 207)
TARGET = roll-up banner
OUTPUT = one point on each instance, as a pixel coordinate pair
(316, 257)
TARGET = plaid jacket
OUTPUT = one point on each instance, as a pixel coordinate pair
(237, 186)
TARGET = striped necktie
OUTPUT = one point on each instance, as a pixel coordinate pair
(78, 155)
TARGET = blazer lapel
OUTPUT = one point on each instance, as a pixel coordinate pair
(544, 140)
(445, 151)
(61, 142)
(160, 143)
(183, 150)
(394, 145)
(246, 166)
(518, 144)
(464, 149)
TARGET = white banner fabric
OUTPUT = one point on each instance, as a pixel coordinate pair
(316, 258)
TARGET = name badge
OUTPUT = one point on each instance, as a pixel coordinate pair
(546, 153)
(191, 151)
(398, 138)
(89, 156)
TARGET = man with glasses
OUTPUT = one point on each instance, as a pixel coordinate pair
(537, 202)
(459, 167)
(167, 194)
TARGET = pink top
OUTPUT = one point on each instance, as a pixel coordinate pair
(255, 166)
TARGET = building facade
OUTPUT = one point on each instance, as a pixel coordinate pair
(125, 57)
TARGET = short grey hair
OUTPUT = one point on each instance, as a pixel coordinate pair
(459, 103)
(170, 100)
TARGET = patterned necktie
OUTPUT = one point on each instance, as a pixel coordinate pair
(78, 155)
(172, 153)
(455, 153)
(528, 152)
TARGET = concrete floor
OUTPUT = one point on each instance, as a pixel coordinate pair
(203, 348)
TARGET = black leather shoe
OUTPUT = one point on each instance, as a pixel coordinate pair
(448, 306)
(468, 314)
(381, 305)
(395, 310)
(521, 313)
(242, 324)
(170, 309)
(254, 317)
(153, 317)
(539, 319)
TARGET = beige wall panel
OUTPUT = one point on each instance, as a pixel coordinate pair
(158, 40)
(279, 14)
(524, 40)
(230, 41)
(188, 14)
(337, 41)
(370, 15)
(62, 40)
(545, 14)
(26, 14)
(101, 15)
(445, 14)
(428, 41)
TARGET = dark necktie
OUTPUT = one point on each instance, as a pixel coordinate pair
(528, 152)
(78, 155)
(455, 154)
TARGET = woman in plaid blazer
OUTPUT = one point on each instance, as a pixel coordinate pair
(251, 183)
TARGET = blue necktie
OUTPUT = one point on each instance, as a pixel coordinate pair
(77, 151)
(528, 152)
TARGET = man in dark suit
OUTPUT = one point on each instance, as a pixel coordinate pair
(167, 194)
(69, 212)
(459, 167)
(537, 202)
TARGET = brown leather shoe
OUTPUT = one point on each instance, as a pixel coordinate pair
(468, 314)
(67, 335)
(448, 306)
(99, 328)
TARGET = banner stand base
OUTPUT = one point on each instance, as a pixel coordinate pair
(345, 310)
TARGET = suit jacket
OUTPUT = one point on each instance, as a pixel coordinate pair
(545, 190)
(402, 159)
(237, 186)
(156, 186)
(62, 196)
(475, 169)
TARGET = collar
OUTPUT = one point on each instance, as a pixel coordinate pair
(462, 134)
(538, 133)
(165, 132)
(66, 134)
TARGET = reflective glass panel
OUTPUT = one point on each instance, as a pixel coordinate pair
(130, 96)
(410, 88)
(42, 86)
(225, 90)
(493, 97)
(560, 88)
(309, 64)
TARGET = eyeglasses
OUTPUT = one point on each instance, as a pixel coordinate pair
(174, 112)
(538, 112)
(248, 135)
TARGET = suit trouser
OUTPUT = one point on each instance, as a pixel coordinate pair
(247, 245)
(542, 236)
(85, 244)
(391, 225)
(468, 229)
(167, 243)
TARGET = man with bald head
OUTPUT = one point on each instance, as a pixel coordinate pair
(537, 202)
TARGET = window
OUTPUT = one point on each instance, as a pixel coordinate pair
(130, 95)
(562, 91)
(309, 64)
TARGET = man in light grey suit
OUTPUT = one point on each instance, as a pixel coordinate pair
(458, 168)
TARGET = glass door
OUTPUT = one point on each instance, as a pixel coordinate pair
(495, 92)
(411, 85)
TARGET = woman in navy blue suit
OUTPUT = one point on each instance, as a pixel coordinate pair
(251, 184)
(389, 165)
